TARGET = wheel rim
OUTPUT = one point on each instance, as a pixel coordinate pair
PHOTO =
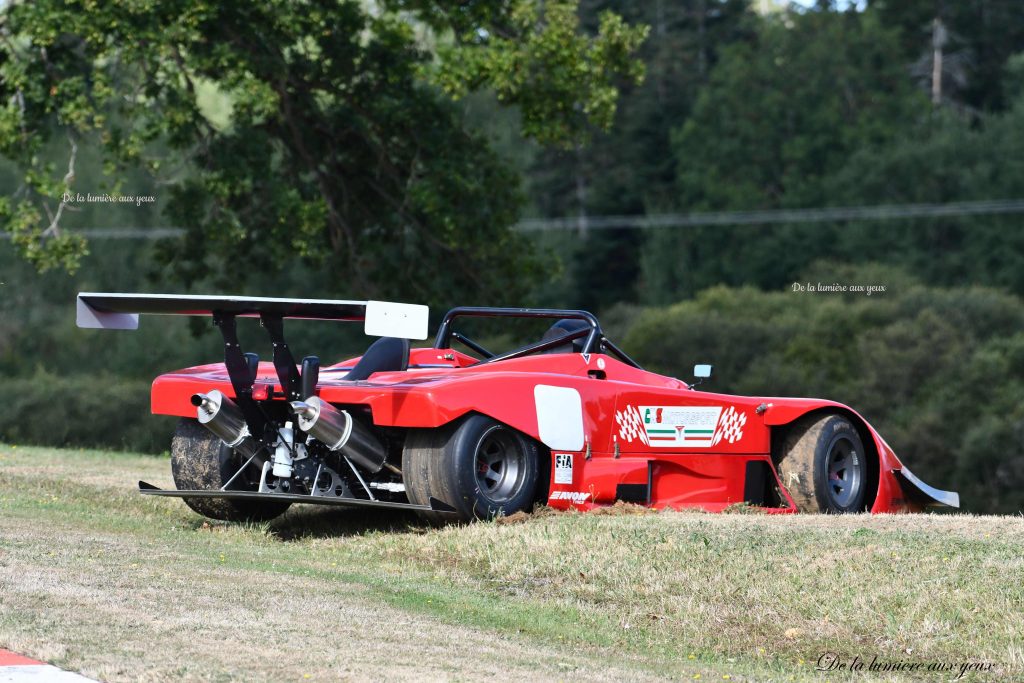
(845, 472)
(500, 464)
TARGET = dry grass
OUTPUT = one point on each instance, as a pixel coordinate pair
(119, 586)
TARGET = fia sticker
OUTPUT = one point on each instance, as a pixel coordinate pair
(563, 468)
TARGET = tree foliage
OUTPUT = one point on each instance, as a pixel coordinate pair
(788, 107)
(629, 169)
(821, 110)
(564, 82)
(339, 147)
(980, 37)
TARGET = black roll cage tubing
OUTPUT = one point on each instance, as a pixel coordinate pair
(595, 342)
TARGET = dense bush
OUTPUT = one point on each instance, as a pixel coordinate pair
(939, 372)
(101, 411)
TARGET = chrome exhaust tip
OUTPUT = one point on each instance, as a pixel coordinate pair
(337, 430)
(224, 418)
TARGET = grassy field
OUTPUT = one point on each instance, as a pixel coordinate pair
(98, 579)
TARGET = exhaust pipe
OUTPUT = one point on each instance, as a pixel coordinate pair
(223, 417)
(338, 431)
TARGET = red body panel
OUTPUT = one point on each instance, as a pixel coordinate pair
(691, 449)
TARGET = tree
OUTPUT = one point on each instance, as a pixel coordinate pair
(779, 115)
(981, 36)
(629, 168)
(341, 146)
(948, 159)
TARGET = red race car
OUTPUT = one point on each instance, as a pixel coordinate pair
(570, 421)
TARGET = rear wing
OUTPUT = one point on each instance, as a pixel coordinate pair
(380, 318)
(111, 311)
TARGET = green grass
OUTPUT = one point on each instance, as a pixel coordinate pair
(99, 579)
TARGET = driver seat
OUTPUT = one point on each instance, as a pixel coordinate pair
(562, 328)
(387, 354)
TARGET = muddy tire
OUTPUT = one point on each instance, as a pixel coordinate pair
(823, 465)
(200, 461)
(479, 467)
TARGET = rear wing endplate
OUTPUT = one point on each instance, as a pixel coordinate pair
(112, 311)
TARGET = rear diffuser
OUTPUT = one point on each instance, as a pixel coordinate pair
(435, 505)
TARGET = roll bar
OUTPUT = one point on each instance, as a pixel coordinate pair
(595, 340)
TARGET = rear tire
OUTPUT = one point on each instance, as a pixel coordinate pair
(480, 467)
(201, 461)
(823, 465)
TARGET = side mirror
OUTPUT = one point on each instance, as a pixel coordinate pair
(702, 372)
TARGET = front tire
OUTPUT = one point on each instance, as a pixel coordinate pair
(481, 468)
(201, 461)
(823, 465)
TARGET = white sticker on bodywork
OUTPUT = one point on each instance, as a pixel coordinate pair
(389, 319)
(563, 468)
(559, 417)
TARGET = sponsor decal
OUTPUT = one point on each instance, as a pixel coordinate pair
(575, 497)
(730, 427)
(681, 426)
(630, 425)
(563, 468)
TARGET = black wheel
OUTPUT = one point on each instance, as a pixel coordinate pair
(823, 465)
(201, 461)
(480, 467)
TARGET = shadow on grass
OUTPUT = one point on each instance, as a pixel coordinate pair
(313, 522)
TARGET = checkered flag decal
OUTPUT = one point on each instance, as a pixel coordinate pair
(730, 426)
(631, 426)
